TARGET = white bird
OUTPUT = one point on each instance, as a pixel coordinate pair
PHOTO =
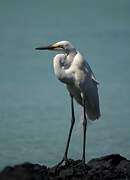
(71, 69)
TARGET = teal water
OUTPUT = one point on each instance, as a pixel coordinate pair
(34, 106)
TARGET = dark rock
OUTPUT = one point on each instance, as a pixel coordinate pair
(111, 167)
(66, 172)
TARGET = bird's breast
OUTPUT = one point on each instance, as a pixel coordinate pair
(79, 77)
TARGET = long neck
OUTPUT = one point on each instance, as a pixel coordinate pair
(58, 66)
(71, 56)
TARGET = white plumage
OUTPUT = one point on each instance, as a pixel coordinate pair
(76, 73)
(71, 69)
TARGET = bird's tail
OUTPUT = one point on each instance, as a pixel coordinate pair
(92, 108)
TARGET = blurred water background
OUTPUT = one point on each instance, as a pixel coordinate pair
(34, 106)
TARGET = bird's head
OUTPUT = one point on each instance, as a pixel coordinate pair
(63, 46)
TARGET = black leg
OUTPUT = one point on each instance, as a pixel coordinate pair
(70, 132)
(71, 128)
(84, 131)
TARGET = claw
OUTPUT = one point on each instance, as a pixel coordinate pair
(64, 160)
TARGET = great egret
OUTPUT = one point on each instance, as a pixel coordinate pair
(71, 68)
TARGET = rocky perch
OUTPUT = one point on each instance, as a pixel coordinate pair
(111, 167)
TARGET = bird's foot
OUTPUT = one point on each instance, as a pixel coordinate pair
(64, 161)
